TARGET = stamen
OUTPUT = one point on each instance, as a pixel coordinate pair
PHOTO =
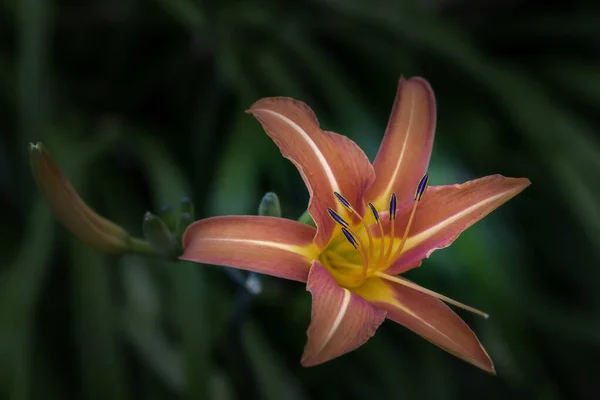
(382, 246)
(357, 242)
(342, 200)
(418, 194)
(374, 211)
(392, 212)
(337, 218)
(393, 207)
(407, 283)
(421, 187)
(362, 221)
(350, 238)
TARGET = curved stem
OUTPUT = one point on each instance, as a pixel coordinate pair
(142, 246)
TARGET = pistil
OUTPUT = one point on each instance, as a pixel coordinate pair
(409, 284)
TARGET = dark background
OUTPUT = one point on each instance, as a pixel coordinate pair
(142, 102)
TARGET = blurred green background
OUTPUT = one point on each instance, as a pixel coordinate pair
(142, 102)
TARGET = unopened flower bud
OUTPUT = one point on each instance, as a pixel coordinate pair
(269, 205)
(83, 222)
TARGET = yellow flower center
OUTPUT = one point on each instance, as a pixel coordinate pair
(361, 249)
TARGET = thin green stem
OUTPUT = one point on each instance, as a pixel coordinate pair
(142, 246)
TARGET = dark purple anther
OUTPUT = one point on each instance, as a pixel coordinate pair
(337, 218)
(422, 186)
(350, 238)
(393, 207)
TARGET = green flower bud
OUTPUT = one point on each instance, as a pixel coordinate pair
(269, 205)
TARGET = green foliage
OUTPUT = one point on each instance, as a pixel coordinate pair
(142, 103)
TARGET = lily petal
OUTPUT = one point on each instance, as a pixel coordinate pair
(404, 153)
(429, 318)
(446, 211)
(268, 245)
(341, 321)
(328, 162)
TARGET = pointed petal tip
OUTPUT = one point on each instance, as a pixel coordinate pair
(265, 101)
(483, 362)
(328, 162)
(429, 318)
(307, 363)
(416, 80)
(256, 105)
(519, 183)
(405, 151)
(487, 365)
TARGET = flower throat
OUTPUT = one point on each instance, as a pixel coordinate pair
(367, 253)
(373, 265)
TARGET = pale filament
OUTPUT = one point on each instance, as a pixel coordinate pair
(417, 198)
(382, 246)
(408, 225)
(392, 238)
(407, 283)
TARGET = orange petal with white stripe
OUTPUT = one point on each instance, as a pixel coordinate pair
(328, 162)
(341, 321)
(404, 153)
(268, 245)
(445, 212)
(428, 317)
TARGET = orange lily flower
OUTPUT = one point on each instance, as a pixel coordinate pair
(373, 223)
